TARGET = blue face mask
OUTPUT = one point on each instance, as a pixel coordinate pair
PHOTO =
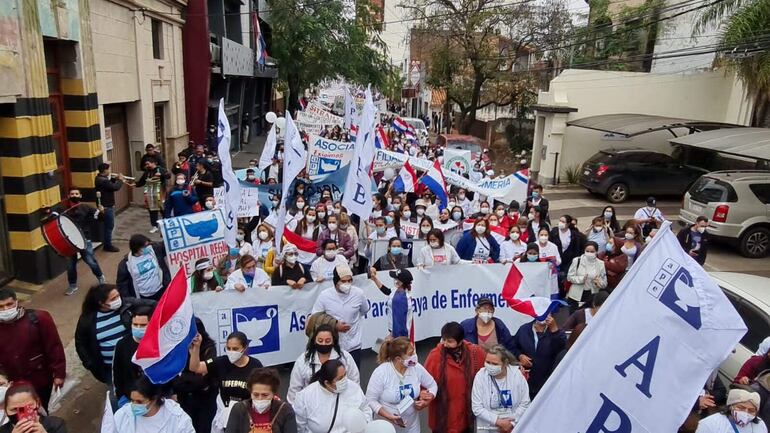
(608, 247)
(138, 333)
(535, 194)
(531, 258)
(388, 220)
(396, 251)
(147, 250)
(234, 252)
(139, 409)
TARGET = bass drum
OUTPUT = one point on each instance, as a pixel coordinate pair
(64, 236)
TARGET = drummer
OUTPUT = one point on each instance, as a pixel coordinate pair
(83, 216)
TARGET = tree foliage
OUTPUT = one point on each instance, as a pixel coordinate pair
(315, 40)
(475, 44)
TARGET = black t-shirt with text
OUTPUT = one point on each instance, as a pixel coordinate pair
(232, 379)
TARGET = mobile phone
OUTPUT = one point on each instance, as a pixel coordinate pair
(400, 422)
(28, 412)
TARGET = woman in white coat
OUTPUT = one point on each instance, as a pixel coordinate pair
(739, 416)
(248, 276)
(320, 407)
(149, 412)
(437, 252)
(500, 394)
(322, 346)
(587, 276)
(400, 386)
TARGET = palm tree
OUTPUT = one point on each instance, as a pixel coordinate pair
(745, 28)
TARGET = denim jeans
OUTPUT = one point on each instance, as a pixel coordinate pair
(109, 224)
(88, 257)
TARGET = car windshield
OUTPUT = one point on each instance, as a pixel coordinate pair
(708, 190)
(416, 123)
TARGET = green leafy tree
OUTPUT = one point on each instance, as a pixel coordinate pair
(316, 40)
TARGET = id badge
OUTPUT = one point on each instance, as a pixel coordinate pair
(406, 404)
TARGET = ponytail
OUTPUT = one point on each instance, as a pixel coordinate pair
(392, 348)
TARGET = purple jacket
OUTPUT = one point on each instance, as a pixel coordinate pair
(343, 241)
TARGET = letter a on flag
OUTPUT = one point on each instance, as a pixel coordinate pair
(641, 362)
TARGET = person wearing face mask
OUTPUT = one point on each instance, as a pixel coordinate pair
(322, 346)
(335, 233)
(23, 395)
(548, 250)
(125, 372)
(289, 272)
(382, 231)
(479, 245)
(322, 268)
(143, 272)
(537, 200)
(485, 329)
(242, 243)
(308, 227)
(695, 239)
(569, 242)
(248, 276)
(437, 252)
(484, 211)
(531, 255)
(535, 222)
(444, 218)
(587, 276)
(320, 407)
(586, 315)
(251, 177)
(263, 412)
(209, 202)
(536, 345)
(463, 202)
(231, 371)
(205, 278)
(400, 313)
(426, 225)
(649, 217)
(105, 319)
(513, 247)
(30, 334)
(180, 200)
(396, 258)
(151, 412)
(229, 264)
(264, 248)
(348, 305)
(512, 215)
(598, 232)
(453, 363)
(500, 394)
(631, 242)
(400, 387)
(739, 415)
(609, 217)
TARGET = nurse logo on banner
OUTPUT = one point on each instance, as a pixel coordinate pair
(642, 361)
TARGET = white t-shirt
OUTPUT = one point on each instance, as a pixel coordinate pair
(509, 250)
(387, 388)
(718, 423)
(325, 268)
(481, 251)
(349, 308)
(145, 272)
(566, 238)
(549, 250)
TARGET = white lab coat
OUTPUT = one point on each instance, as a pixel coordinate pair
(302, 372)
(718, 423)
(172, 420)
(349, 308)
(385, 391)
(314, 408)
(485, 401)
(261, 280)
(425, 258)
(550, 250)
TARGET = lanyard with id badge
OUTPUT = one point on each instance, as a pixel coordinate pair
(504, 399)
(406, 392)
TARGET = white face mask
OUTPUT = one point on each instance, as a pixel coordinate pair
(263, 235)
(341, 385)
(515, 236)
(411, 361)
(180, 181)
(239, 237)
(321, 214)
(407, 214)
(629, 236)
(562, 225)
(291, 259)
(114, 305)
(310, 218)
(742, 418)
(332, 226)
(486, 317)
(330, 254)
(261, 405)
(494, 223)
(480, 229)
(493, 370)
(434, 244)
(485, 210)
(543, 239)
(701, 230)
(499, 213)
(233, 356)
(424, 230)
(300, 205)
(208, 275)
(590, 256)
(209, 205)
(345, 287)
(420, 211)
(10, 314)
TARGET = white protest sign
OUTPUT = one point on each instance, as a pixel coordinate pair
(320, 113)
(642, 361)
(274, 319)
(191, 237)
(457, 161)
(247, 207)
(327, 156)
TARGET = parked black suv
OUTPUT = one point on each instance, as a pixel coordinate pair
(619, 173)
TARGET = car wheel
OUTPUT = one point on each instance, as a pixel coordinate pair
(755, 242)
(617, 193)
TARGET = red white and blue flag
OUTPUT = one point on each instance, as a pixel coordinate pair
(406, 181)
(410, 136)
(162, 352)
(521, 298)
(381, 138)
(400, 125)
(435, 181)
(306, 248)
(259, 40)
(353, 134)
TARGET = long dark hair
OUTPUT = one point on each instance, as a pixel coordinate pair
(327, 372)
(96, 296)
(310, 350)
(198, 282)
(613, 223)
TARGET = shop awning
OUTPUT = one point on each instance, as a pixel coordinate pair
(437, 98)
(745, 142)
(630, 125)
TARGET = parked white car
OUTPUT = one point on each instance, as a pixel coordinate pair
(419, 127)
(750, 295)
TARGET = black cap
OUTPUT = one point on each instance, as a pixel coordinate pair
(650, 201)
(402, 275)
(484, 301)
